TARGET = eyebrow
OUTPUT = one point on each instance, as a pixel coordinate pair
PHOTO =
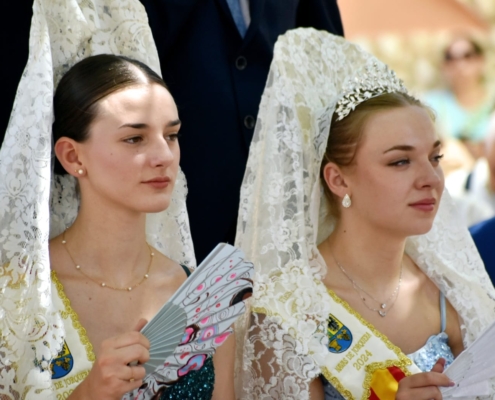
(170, 124)
(406, 147)
(174, 122)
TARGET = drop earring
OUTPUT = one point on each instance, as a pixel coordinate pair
(346, 201)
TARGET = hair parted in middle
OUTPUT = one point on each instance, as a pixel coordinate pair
(76, 99)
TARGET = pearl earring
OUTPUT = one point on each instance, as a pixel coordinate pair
(80, 171)
(346, 201)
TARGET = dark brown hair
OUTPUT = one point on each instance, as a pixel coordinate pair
(346, 134)
(76, 99)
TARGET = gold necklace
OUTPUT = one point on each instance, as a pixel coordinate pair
(103, 284)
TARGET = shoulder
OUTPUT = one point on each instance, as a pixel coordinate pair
(482, 230)
(170, 268)
(484, 238)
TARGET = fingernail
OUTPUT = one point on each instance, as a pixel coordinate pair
(451, 383)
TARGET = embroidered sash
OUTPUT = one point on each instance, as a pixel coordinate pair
(364, 364)
(76, 358)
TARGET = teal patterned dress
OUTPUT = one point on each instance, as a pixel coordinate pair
(197, 385)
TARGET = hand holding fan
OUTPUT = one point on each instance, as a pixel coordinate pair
(473, 368)
(196, 319)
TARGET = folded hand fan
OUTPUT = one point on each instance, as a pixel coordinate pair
(196, 319)
(473, 368)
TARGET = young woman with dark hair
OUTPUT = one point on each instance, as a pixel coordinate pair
(116, 131)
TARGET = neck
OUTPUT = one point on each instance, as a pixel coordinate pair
(372, 257)
(110, 246)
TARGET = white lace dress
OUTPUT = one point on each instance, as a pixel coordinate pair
(282, 220)
(33, 207)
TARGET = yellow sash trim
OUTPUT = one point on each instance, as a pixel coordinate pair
(373, 370)
(69, 311)
(403, 362)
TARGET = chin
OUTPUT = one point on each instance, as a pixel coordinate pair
(155, 207)
(420, 228)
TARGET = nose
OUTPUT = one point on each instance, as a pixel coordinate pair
(162, 152)
(430, 176)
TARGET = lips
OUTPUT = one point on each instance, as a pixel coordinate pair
(424, 204)
(158, 182)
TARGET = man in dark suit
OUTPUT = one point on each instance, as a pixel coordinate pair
(484, 237)
(215, 56)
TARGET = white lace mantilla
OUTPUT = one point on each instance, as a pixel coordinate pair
(62, 33)
(283, 343)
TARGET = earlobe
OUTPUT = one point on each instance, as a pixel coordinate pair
(335, 180)
(66, 151)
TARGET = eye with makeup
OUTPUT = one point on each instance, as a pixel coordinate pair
(436, 159)
(173, 137)
(399, 163)
(133, 139)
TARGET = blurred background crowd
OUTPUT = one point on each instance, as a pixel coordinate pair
(445, 52)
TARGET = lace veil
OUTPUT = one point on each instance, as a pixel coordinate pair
(34, 206)
(282, 219)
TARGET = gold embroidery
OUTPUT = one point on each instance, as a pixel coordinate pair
(75, 319)
(262, 310)
(285, 297)
(403, 361)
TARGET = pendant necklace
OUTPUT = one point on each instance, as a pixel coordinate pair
(385, 306)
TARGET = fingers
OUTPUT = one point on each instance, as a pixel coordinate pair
(124, 356)
(439, 365)
(127, 339)
(133, 373)
(136, 375)
(140, 324)
(111, 375)
(424, 386)
(427, 379)
(128, 385)
(426, 393)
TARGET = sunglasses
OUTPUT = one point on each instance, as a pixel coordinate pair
(466, 56)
